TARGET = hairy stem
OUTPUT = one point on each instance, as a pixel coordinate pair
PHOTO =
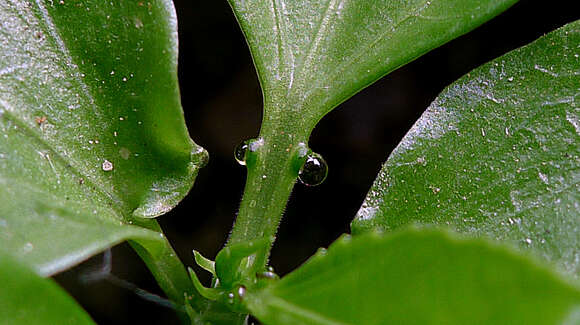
(272, 170)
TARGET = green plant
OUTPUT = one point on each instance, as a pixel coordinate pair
(94, 147)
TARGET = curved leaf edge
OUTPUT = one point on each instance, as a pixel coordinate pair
(27, 298)
(365, 219)
(276, 310)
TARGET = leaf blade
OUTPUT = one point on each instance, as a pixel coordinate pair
(495, 155)
(416, 277)
(92, 134)
(312, 55)
(27, 298)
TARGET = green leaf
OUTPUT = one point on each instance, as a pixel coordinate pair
(239, 263)
(26, 298)
(417, 277)
(204, 263)
(92, 135)
(312, 55)
(496, 155)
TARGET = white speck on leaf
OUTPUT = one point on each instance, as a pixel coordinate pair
(107, 166)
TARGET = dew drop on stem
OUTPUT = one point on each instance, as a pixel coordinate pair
(314, 170)
(240, 153)
(241, 292)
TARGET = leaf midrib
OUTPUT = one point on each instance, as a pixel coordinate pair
(310, 53)
(359, 54)
(301, 312)
(300, 74)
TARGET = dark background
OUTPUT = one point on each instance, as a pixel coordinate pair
(222, 104)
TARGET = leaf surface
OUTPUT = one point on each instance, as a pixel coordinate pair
(92, 135)
(26, 298)
(496, 154)
(417, 277)
(312, 55)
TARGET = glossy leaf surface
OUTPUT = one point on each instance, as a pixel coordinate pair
(417, 277)
(497, 154)
(92, 134)
(27, 299)
(312, 55)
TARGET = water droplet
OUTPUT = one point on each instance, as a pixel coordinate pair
(241, 292)
(107, 165)
(240, 153)
(314, 170)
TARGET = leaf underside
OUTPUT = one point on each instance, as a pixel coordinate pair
(417, 277)
(496, 154)
(27, 298)
(92, 135)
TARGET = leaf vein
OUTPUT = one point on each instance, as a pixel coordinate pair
(302, 312)
(320, 32)
(338, 71)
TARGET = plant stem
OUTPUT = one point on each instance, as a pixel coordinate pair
(167, 269)
(272, 171)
